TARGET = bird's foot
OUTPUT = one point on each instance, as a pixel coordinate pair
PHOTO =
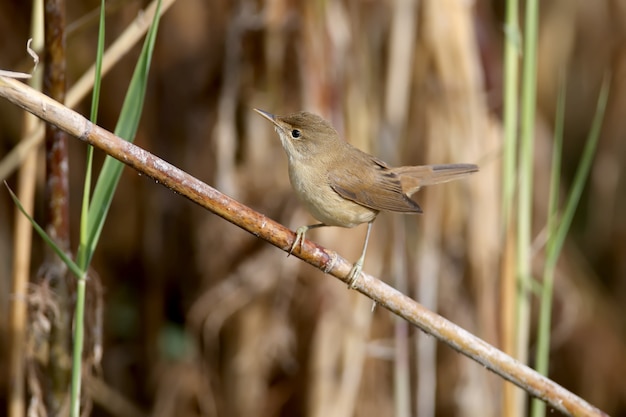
(299, 238)
(354, 274)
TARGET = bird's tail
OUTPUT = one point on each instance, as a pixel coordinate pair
(413, 178)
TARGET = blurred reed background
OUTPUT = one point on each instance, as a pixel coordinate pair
(201, 318)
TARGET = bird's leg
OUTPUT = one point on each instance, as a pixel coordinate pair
(355, 272)
(300, 235)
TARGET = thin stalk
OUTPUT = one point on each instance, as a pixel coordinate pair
(585, 165)
(512, 47)
(22, 245)
(558, 235)
(77, 352)
(545, 312)
(95, 97)
(56, 375)
(525, 201)
(82, 257)
(512, 51)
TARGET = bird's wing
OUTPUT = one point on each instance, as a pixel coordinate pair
(374, 186)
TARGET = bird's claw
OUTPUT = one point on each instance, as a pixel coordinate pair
(354, 274)
(299, 239)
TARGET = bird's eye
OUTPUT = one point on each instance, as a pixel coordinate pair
(296, 133)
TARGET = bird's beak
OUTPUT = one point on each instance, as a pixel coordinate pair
(268, 116)
(278, 126)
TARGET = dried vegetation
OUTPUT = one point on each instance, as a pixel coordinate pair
(201, 318)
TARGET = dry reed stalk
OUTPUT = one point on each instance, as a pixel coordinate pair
(458, 126)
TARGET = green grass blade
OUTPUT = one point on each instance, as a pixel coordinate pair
(527, 133)
(77, 353)
(126, 128)
(84, 251)
(83, 255)
(73, 267)
(545, 309)
(557, 235)
(525, 194)
(582, 172)
(510, 112)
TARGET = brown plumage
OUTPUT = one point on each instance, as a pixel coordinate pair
(343, 186)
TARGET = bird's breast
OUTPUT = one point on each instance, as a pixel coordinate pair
(313, 190)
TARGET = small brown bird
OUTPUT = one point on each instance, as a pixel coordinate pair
(343, 186)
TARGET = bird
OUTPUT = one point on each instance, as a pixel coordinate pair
(342, 186)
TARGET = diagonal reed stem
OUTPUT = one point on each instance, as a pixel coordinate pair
(281, 237)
